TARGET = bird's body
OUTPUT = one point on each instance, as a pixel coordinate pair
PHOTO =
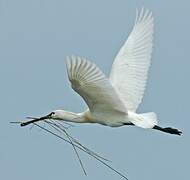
(113, 119)
(113, 100)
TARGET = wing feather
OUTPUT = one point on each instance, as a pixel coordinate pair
(130, 68)
(90, 82)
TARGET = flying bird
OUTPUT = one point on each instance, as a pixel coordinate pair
(113, 101)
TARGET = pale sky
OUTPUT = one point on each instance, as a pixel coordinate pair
(35, 38)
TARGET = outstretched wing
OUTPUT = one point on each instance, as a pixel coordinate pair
(130, 67)
(90, 83)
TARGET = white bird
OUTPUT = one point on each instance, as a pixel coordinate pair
(113, 101)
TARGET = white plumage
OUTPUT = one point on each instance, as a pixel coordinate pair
(90, 82)
(130, 68)
(113, 101)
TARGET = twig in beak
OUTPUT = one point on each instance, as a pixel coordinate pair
(75, 143)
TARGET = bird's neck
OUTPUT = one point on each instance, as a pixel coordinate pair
(71, 116)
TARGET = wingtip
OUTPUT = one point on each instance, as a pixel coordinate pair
(143, 14)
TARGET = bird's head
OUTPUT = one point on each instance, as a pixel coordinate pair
(57, 114)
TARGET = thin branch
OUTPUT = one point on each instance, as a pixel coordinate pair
(80, 161)
(34, 118)
(77, 142)
(98, 159)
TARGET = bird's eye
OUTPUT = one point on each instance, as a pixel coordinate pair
(52, 113)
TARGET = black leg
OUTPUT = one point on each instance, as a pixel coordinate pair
(129, 123)
(168, 130)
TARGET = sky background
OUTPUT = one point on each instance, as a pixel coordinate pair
(35, 38)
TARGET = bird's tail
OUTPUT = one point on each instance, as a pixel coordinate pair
(149, 120)
(145, 120)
